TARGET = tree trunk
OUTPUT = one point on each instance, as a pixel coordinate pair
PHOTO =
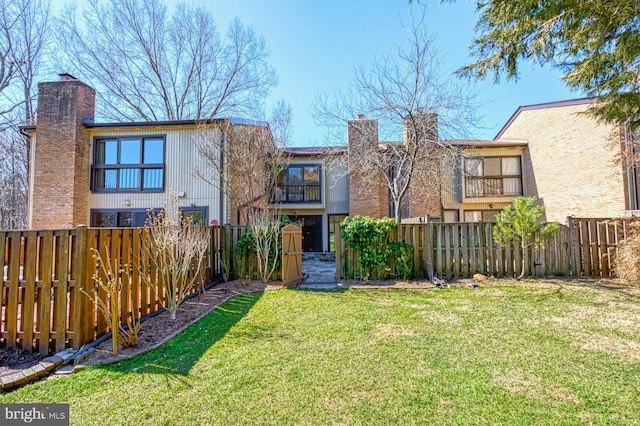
(524, 258)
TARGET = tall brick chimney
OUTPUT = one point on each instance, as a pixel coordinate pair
(61, 157)
(368, 194)
(423, 200)
(426, 124)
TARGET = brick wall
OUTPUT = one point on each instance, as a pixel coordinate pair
(61, 156)
(368, 193)
(571, 163)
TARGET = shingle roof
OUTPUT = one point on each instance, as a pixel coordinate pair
(487, 143)
(314, 151)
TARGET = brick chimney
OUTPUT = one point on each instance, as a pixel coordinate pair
(61, 157)
(426, 124)
(423, 201)
(368, 194)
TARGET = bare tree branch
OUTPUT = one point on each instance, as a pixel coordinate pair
(24, 36)
(149, 65)
(246, 163)
(401, 89)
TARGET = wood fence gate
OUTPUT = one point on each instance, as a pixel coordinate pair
(291, 255)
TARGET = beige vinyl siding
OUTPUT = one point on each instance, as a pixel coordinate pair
(181, 161)
(336, 187)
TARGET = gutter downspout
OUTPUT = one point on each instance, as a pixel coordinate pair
(223, 171)
(29, 177)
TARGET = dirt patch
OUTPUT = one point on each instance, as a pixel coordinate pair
(392, 331)
(413, 284)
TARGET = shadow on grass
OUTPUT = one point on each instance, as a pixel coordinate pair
(607, 285)
(177, 357)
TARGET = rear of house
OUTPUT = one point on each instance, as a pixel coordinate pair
(314, 191)
(112, 174)
(573, 164)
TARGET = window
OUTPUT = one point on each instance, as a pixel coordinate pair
(480, 215)
(198, 215)
(128, 164)
(493, 176)
(451, 216)
(299, 183)
(333, 219)
(127, 218)
(118, 218)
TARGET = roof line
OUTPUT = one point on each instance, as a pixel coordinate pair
(240, 121)
(544, 105)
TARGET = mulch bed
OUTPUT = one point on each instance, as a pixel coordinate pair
(15, 360)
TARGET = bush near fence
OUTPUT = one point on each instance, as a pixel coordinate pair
(582, 248)
(44, 275)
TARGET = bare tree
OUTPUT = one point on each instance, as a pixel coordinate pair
(403, 88)
(176, 248)
(245, 160)
(13, 179)
(24, 35)
(149, 65)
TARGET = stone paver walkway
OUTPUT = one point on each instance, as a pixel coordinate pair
(322, 275)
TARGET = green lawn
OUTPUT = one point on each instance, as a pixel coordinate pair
(530, 352)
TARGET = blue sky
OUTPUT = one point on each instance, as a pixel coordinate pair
(316, 44)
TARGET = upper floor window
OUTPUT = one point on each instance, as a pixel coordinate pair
(299, 183)
(128, 164)
(492, 176)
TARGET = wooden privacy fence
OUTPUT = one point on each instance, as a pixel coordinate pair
(583, 247)
(48, 275)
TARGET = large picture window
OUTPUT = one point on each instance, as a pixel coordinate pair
(127, 218)
(128, 164)
(299, 183)
(492, 176)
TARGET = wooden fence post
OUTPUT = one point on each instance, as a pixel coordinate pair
(82, 311)
(5, 257)
(573, 268)
(29, 291)
(337, 234)
(11, 309)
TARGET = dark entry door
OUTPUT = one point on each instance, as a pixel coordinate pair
(311, 233)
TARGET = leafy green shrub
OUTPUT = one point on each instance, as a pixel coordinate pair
(403, 254)
(371, 238)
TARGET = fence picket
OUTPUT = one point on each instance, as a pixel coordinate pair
(456, 250)
(473, 256)
(29, 293)
(80, 305)
(11, 309)
(104, 243)
(60, 290)
(438, 247)
(46, 273)
(418, 247)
